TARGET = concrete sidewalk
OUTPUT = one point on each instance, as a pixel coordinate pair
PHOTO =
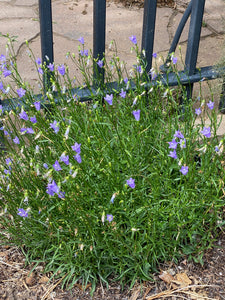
(74, 18)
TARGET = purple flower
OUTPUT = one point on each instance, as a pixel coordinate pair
(65, 158)
(154, 55)
(1, 86)
(6, 133)
(45, 165)
(138, 69)
(23, 115)
(123, 93)
(84, 53)
(52, 188)
(22, 213)
(61, 195)
(23, 130)
(38, 61)
(16, 140)
(8, 161)
(198, 111)
(109, 218)
(37, 105)
(57, 166)
(30, 130)
(6, 73)
(206, 132)
(210, 105)
(182, 143)
(7, 172)
(217, 149)
(131, 183)
(61, 70)
(184, 170)
(81, 40)
(2, 58)
(33, 119)
(174, 60)
(51, 67)
(55, 126)
(133, 39)
(178, 134)
(100, 63)
(76, 147)
(109, 99)
(40, 71)
(77, 157)
(173, 144)
(21, 92)
(173, 154)
(136, 114)
(125, 80)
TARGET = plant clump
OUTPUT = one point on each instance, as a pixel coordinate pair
(109, 188)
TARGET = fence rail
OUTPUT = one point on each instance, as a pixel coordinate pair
(187, 77)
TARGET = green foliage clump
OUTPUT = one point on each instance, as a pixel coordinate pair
(112, 187)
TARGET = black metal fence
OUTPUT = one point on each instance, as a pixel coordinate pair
(187, 77)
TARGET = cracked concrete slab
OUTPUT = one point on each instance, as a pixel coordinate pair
(8, 11)
(26, 29)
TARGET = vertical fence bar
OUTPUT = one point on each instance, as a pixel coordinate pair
(222, 97)
(148, 30)
(194, 35)
(99, 25)
(45, 15)
(177, 36)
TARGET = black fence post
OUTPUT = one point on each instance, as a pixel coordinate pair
(222, 97)
(177, 36)
(45, 16)
(99, 25)
(194, 35)
(148, 30)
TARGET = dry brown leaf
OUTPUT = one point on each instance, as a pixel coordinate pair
(30, 279)
(135, 294)
(43, 279)
(166, 277)
(182, 279)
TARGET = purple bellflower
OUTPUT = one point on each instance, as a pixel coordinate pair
(55, 126)
(22, 213)
(76, 147)
(184, 170)
(21, 92)
(109, 99)
(61, 70)
(173, 154)
(136, 114)
(109, 218)
(173, 144)
(131, 183)
(206, 132)
(57, 166)
(133, 39)
(37, 105)
(77, 157)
